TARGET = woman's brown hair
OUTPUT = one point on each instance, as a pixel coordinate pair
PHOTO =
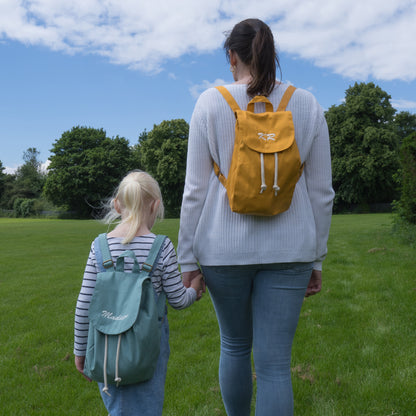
(252, 40)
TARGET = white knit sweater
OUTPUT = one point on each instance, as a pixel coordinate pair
(210, 233)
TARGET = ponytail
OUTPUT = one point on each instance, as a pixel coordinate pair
(253, 42)
(134, 195)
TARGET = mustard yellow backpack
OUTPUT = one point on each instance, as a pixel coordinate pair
(266, 164)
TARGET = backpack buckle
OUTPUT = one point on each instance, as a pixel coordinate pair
(147, 267)
(108, 263)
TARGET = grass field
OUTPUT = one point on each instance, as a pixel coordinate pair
(354, 352)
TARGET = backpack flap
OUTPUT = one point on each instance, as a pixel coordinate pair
(266, 132)
(114, 306)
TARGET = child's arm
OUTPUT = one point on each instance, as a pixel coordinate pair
(82, 307)
(179, 297)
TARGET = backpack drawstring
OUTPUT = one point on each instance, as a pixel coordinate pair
(105, 388)
(118, 379)
(263, 182)
(276, 169)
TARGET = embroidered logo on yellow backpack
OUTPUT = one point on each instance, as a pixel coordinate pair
(265, 165)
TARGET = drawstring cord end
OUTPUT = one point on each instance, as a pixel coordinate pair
(105, 390)
(276, 189)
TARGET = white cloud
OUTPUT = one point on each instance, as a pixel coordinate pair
(357, 39)
(44, 166)
(10, 170)
(197, 89)
(403, 105)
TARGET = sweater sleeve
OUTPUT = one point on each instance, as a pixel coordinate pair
(319, 184)
(198, 172)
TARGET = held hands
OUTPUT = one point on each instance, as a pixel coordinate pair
(315, 283)
(195, 280)
(198, 284)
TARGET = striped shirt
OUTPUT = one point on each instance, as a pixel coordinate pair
(165, 276)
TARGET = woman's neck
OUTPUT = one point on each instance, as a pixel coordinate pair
(242, 73)
(245, 80)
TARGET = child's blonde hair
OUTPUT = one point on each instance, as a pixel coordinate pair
(134, 195)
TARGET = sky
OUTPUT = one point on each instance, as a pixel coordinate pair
(127, 65)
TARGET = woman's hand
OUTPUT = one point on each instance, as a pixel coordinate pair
(187, 278)
(315, 283)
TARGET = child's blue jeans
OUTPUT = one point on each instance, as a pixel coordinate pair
(144, 399)
(258, 309)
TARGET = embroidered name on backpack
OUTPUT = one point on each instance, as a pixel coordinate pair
(110, 315)
(267, 136)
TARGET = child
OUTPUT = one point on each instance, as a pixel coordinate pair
(138, 202)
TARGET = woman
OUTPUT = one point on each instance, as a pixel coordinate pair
(257, 269)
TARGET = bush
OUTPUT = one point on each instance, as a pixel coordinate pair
(23, 207)
(17, 206)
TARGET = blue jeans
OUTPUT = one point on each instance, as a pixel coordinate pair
(258, 309)
(144, 399)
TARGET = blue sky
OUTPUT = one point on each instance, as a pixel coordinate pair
(126, 65)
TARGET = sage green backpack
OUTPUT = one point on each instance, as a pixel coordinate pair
(125, 318)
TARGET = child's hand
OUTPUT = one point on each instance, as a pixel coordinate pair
(79, 364)
(197, 283)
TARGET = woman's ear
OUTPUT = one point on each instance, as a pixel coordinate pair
(233, 58)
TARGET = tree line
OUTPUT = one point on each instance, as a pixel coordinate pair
(373, 162)
(86, 165)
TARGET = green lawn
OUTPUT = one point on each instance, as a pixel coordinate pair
(354, 352)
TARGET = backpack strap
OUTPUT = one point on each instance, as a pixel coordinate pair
(282, 107)
(102, 253)
(154, 253)
(286, 97)
(229, 98)
(219, 174)
(235, 107)
(147, 267)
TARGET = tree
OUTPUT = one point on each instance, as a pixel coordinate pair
(2, 179)
(406, 206)
(29, 177)
(137, 154)
(26, 184)
(85, 168)
(163, 155)
(364, 147)
(7, 194)
(405, 124)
